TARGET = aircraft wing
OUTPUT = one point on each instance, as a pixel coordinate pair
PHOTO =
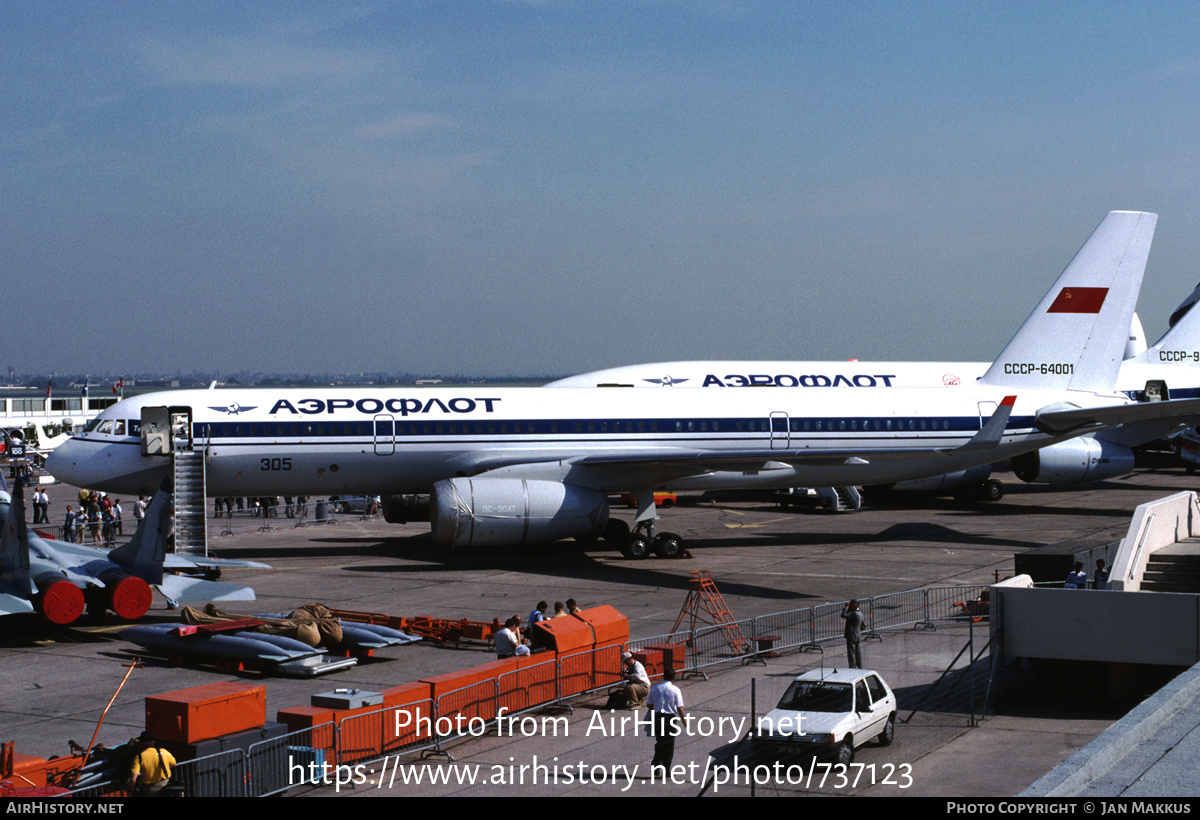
(1063, 421)
(664, 464)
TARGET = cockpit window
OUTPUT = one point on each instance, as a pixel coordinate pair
(92, 425)
(119, 427)
(105, 427)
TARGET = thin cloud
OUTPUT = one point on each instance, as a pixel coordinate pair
(247, 61)
(405, 125)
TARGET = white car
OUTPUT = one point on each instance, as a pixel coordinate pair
(830, 712)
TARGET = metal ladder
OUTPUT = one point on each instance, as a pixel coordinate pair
(191, 524)
(704, 598)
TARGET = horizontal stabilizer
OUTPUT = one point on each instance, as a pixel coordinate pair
(1064, 422)
(183, 588)
(174, 561)
(12, 603)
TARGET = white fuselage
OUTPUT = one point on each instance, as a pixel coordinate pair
(1177, 368)
(390, 441)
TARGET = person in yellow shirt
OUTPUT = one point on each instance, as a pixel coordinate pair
(152, 768)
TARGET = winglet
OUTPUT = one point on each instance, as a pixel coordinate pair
(147, 550)
(1075, 338)
(990, 434)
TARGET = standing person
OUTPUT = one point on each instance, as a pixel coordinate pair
(139, 509)
(854, 625)
(1076, 578)
(41, 507)
(666, 704)
(117, 513)
(1100, 579)
(69, 526)
(93, 518)
(151, 772)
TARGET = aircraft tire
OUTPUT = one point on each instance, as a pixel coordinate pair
(993, 490)
(617, 530)
(667, 545)
(635, 548)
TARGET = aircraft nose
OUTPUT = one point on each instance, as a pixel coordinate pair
(61, 463)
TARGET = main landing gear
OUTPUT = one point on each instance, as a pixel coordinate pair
(990, 490)
(642, 540)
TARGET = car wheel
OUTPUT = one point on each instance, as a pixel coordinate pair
(635, 547)
(845, 751)
(667, 545)
(666, 503)
(889, 732)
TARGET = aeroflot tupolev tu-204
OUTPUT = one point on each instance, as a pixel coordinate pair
(511, 465)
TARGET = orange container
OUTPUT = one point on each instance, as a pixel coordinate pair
(609, 626)
(408, 715)
(566, 634)
(205, 712)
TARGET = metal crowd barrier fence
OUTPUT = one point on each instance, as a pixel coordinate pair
(718, 644)
(826, 624)
(276, 764)
(899, 609)
(791, 629)
(941, 603)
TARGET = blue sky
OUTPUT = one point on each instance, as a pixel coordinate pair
(550, 187)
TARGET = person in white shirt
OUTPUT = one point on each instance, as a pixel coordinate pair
(666, 701)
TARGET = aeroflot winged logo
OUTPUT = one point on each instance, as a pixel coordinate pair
(233, 409)
(1078, 300)
(666, 381)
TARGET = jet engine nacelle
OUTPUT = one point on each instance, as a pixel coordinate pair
(508, 511)
(1075, 461)
(400, 509)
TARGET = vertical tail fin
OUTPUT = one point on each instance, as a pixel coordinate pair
(147, 550)
(1075, 338)
(1181, 343)
(14, 544)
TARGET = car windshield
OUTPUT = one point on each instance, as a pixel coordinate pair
(817, 696)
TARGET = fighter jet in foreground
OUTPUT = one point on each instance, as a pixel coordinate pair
(58, 579)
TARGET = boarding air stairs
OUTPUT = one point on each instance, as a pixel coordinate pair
(167, 431)
(191, 523)
(840, 499)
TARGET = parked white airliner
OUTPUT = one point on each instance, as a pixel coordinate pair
(1168, 369)
(509, 465)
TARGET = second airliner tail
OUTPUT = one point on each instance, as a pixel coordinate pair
(1075, 338)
